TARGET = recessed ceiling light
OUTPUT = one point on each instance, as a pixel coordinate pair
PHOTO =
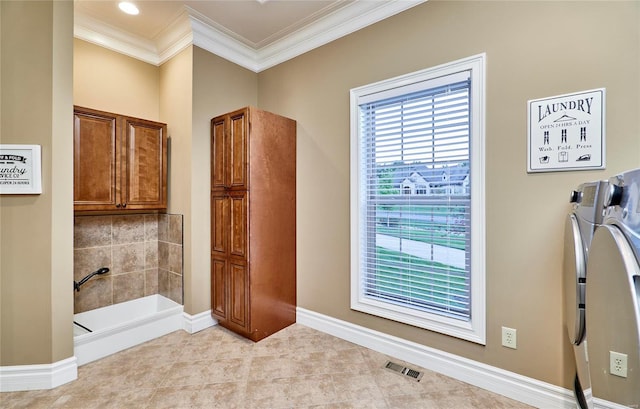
(128, 8)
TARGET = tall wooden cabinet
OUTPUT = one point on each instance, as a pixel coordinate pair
(253, 222)
(120, 162)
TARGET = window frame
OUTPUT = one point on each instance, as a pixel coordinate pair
(473, 330)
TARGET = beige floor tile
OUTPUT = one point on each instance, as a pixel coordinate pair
(115, 399)
(268, 393)
(309, 390)
(15, 400)
(175, 397)
(357, 404)
(222, 395)
(206, 372)
(356, 387)
(270, 367)
(296, 368)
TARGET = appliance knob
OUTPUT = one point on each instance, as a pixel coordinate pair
(575, 196)
(613, 196)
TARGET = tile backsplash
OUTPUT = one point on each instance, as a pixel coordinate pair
(143, 252)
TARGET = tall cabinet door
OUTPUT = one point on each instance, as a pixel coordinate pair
(238, 266)
(96, 160)
(219, 253)
(146, 164)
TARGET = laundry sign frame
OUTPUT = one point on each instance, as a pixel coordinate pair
(567, 132)
(20, 169)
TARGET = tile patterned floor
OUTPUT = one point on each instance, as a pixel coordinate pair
(296, 368)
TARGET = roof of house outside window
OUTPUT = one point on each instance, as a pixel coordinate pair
(454, 174)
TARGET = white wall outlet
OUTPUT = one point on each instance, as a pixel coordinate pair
(618, 364)
(509, 338)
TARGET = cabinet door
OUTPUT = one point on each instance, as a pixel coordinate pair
(238, 234)
(96, 162)
(238, 295)
(219, 153)
(219, 280)
(238, 145)
(220, 224)
(145, 170)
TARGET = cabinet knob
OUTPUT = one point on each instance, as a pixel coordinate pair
(118, 205)
(124, 205)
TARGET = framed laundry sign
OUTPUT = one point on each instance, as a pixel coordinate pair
(20, 169)
(567, 132)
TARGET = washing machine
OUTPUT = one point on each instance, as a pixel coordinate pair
(585, 216)
(612, 291)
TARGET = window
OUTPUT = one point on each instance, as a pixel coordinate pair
(418, 254)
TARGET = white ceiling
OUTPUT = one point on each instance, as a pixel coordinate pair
(256, 34)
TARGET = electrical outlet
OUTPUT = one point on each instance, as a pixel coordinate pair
(509, 337)
(618, 364)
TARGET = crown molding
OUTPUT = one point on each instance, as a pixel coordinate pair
(340, 23)
(177, 36)
(221, 44)
(190, 27)
(97, 32)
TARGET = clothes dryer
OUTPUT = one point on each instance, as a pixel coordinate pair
(612, 291)
(585, 216)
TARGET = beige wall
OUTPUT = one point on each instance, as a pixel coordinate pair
(534, 50)
(220, 87)
(35, 292)
(113, 82)
(176, 87)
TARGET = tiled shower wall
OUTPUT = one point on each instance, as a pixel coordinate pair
(142, 251)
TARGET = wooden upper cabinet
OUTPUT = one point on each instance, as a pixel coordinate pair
(120, 163)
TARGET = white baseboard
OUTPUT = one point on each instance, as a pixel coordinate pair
(34, 377)
(198, 322)
(521, 388)
(604, 404)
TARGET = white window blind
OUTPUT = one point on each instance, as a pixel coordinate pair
(418, 235)
(415, 170)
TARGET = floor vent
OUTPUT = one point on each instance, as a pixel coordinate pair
(403, 370)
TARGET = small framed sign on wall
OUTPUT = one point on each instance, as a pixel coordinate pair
(20, 169)
(567, 132)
